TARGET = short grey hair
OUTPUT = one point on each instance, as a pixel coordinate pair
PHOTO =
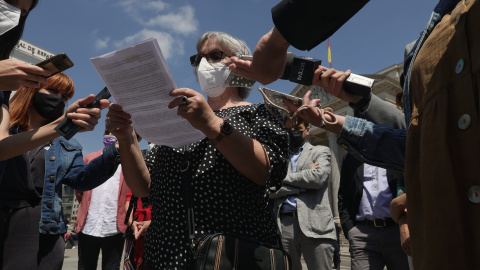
(230, 45)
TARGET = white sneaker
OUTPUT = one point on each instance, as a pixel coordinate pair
(74, 247)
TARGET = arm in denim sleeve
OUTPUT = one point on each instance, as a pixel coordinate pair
(81, 176)
(378, 145)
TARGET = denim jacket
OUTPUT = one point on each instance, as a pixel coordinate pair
(379, 145)
(64, 165)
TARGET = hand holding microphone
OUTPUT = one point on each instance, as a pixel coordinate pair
(307, 71)
(333, 82)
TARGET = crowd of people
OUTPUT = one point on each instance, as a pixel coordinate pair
(251, 177)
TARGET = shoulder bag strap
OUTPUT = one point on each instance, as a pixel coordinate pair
(279, 235)
(131, 207)
(186, 177)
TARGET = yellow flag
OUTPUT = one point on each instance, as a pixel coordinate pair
(329, 53)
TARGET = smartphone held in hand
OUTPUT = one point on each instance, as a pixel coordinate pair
(56, 64)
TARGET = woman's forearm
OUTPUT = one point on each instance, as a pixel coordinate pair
(247, 155)
(14, 145)
(134, 168)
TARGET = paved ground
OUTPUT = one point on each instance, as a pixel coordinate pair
(71, 260)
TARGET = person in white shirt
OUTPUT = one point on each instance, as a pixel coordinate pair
(100, 219)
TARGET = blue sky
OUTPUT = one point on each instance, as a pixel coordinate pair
(372, 40)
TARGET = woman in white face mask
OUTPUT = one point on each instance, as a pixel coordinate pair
(243, 155)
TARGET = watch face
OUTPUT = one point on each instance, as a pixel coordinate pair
(226, 128)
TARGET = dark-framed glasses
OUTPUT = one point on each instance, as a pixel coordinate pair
(212, 57)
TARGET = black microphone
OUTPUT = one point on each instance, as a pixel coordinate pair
(301, 70)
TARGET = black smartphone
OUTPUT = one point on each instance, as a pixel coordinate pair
(56, 64)
(67, 128)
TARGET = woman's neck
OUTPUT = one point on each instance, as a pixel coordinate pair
(229, 98)
(35, 120)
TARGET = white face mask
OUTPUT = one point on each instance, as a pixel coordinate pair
(9, 17)
(211, 77)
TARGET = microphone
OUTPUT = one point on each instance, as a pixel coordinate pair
(297, 69)
(301, 70)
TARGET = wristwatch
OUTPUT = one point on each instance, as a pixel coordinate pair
(225, 130)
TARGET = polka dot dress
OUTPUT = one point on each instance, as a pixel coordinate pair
(223, 200)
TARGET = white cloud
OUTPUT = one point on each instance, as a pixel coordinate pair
(168, 22)
(169, 45)
(151, 13)
(134, 7)
(156, 6)
(182, 22)
(102, 43)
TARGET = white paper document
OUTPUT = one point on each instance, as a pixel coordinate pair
(139, 80)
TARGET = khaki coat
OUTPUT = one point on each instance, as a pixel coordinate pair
(442, 171)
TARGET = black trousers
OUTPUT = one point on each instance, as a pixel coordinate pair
(89, 249)
(23, 247)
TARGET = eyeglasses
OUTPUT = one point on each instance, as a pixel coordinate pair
(212, 57)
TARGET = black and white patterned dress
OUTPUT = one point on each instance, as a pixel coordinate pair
(223, 199)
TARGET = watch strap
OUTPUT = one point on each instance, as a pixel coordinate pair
(222, 133)
(219, 138)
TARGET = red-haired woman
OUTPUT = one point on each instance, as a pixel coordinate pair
(32, 222)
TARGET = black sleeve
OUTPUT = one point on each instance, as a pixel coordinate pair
(4, 97)
(347, 200)
(307, 23)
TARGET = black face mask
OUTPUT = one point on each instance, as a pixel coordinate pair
(296, 138)
(48, 106)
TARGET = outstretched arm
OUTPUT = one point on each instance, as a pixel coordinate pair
(268, 62)
(14, 73)
(14, 145)
(363, 139)
(134, 169)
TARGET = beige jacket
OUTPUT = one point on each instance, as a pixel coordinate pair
(443, 145)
